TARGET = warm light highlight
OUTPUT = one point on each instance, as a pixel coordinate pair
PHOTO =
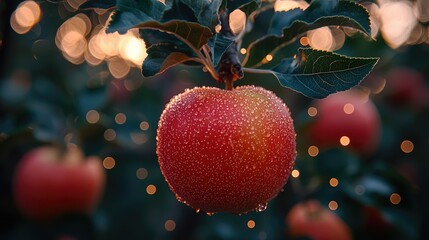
(286, 5)
(109, 163)
(92, 116)
(313, 151)
(321, 39)
(109, 134)
(26, 15)
(144, 126)
(237, 21)
(407, 146)
(395, 198)
(312, 111)
(120, 118)
(345, 141)
(142, 173)
(333, 182)
(151, 189)
(348, 108)
(295, 173)
(170, 225)
(397, 22)
(333, 205)
(251, 224)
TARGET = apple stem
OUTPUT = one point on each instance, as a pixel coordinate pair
(230, 68)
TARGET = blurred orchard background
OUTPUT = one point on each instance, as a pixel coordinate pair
(64, 80)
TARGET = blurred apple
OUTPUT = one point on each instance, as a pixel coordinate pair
(346, 119)
(375, 221)
(48, 184)
(311, 219)
(406, 86)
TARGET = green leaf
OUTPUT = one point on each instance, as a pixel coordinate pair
(287, 26)
(206, 12)
(375, 190)
(193, 34)
(180, 11)
(164, 51)
(177, 42)
(130, 13)
(103, 4)
(316, 74)
(218, 45)
(324, 13)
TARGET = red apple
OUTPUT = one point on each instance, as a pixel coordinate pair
(349, 115)
(375, 222)
(311, 219)
(226, 150)
(407, 86)
(48, 184)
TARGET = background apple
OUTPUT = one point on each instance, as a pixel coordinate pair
(405, 86)
(48, 184)
(311, 219)
(226, 150)
(349, 115)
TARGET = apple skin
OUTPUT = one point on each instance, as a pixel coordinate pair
(311, 219)
(48, 185)
(226, 150)
(362, 126)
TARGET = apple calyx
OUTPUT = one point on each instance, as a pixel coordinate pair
(230, 68)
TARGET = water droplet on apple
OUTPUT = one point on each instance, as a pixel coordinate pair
(210, 214)
(261, 207)
(197, 210)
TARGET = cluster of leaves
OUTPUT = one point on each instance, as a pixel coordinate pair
(184, 31)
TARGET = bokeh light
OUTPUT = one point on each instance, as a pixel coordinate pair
(237, 21)
(395, 198)
(344, 140)
(120, 118)
(348, 108)
(142, 173)
(109, 162)
(151, 189)
(397, 21)
(26, 15)
(312, 111)
(109, 134)
(251, 224)
(92, 116)
(170, 225)
(313, 151)
(333, 182)
(321, 39)
(144, 126)
(407, 146)
(286, 5)
(333, 205)
(295, 173)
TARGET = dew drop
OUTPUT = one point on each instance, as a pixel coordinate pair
(261, 207)
(210, 214)
(197, 210)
